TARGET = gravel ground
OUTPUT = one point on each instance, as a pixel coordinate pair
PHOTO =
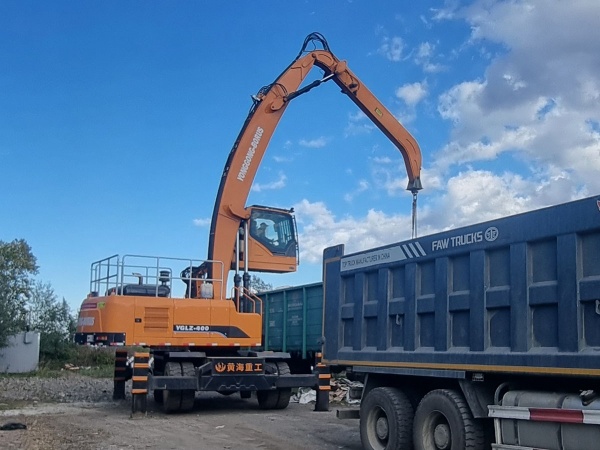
(76, 412)
(69, 388)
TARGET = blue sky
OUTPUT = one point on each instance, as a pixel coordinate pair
(116, 119)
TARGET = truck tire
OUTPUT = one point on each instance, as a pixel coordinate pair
(386, 419)
(443, 421)
(172, 397)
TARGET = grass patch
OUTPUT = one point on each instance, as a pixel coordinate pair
(95, 362)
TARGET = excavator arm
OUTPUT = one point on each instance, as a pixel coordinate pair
(268, 107)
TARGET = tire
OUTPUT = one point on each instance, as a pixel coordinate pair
(267, 399)
(443, 421)
(283, 368)
(276, 398)
(284, 393)
(172, 397)
(158, 396)
(188, 396)
(283, 400)
(386, 420)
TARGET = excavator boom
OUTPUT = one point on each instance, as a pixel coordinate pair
(268, 107)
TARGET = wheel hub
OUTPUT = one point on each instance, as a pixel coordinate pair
(382, 428)
(441, 436)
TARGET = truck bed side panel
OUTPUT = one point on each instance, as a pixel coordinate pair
(518, 294)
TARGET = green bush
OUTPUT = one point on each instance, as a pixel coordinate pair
(85, 356)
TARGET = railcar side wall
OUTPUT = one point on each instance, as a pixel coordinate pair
(293, 320)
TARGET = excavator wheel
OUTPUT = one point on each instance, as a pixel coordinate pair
(172, 397)
(284, 393)
(158, 396)
(276, 398)
(188, 395)
(178, 400)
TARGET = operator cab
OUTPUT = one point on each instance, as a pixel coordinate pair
(275, 230)
(273, 239)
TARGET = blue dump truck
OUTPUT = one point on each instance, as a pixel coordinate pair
(481, 337)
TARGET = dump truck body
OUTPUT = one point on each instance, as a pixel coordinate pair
(499, 319)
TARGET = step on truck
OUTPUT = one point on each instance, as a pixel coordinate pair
(477, 337)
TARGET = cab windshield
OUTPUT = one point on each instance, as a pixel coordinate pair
(275, 230)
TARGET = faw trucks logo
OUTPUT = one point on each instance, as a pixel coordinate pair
(250, 154)
(490, 235)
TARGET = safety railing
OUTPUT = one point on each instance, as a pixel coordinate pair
(149, 275)
(246, 301)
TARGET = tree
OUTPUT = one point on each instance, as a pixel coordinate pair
(259, 285)
(53, 319)
(17, 266)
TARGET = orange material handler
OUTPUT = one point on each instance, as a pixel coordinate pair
(194, 335)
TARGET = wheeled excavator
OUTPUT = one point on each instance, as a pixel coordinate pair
(208, 338)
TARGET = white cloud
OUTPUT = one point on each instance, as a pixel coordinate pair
(475, 196)
(470, 197)
(320, 229)
(392, 48)
(273, 185)
(362, 186)
(423, 56)
(282, 159)
(412, 93)
(314, 143)
(202, 222)
(537, 99)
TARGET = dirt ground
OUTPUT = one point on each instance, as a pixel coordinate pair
(217, 422)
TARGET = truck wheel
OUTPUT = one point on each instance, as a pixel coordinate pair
(188, 396)
(443, 421)
(386, 418)
(172, 397)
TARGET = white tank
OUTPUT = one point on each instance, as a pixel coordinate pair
(206, 290)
